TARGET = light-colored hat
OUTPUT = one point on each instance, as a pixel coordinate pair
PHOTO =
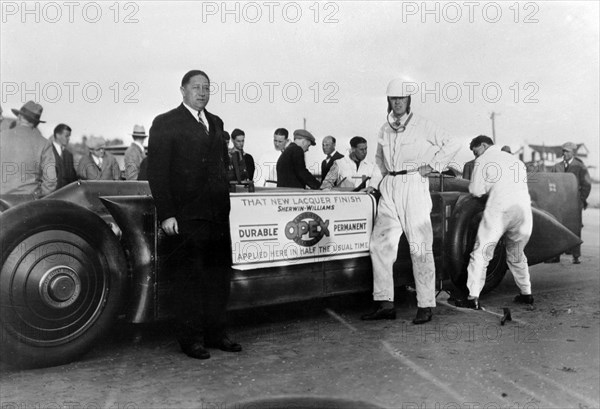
(32, 111)
(303, 133)
(569, 146)
(139, 131)
(399, 87)
(95, 142)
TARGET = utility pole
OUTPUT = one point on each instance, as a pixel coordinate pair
(493, 117)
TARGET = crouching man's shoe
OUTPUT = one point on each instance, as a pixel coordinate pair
(194, 350)
(381, 313)
(224, 344)
(576, 260)
(423, 315)
(524, 299)
(472, 303)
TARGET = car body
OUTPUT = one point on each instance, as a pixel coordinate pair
(93, 251)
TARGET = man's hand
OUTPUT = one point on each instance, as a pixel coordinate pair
(369, 189)
(170, 226)
(425, 170)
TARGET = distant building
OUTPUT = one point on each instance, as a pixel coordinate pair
(544, 157)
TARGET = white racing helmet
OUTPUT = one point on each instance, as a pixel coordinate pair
(401, 87)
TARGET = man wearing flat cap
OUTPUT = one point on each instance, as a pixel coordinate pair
(98, 164)
(291, 167)
(574, 165)
(27, 161)
(135, 154)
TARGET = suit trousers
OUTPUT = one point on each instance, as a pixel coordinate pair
(203, 279)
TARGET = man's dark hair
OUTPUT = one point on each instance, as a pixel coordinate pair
(354, 142)
(237, 132)
(60, 128)
(188, 76)
(477, 141)
(282, 132)
(332, 138)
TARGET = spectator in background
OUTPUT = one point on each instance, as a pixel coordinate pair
(351, 171)
(332, 155)
(241, 166)
(267, 166)
(27, 163)
(98, 164)
(506, 149)
(291, 166)
(65, 171)
(6, 123)
(135, 154)
(574, 165)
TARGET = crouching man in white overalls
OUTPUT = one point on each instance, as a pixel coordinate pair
(409, 147)
(507, 212)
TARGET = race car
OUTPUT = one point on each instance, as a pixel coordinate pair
(76, 261)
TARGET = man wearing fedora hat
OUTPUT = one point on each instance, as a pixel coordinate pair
(291, 167)
(26, 158)
(98, 164)
(574, 165)
(135, 154)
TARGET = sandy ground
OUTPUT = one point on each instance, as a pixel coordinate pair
(547, 357)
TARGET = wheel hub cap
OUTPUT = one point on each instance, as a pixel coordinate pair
(60, 287)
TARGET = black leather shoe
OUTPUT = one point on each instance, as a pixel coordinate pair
(380, 314)
(195, 350)
(468, 303)
(524, 299)
(423, 315)
(576, 260)
(224, 344)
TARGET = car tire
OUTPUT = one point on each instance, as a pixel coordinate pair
(62, 280)
(465, 223)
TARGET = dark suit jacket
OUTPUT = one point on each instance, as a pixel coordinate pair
(65, 170)
(468, 169)
(187, 168)
(578, 168)
(291, 169)
(325, 166)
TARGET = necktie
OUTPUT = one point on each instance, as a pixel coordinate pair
(202, 124)
(100, 163)
(566, 165)
(328, 157)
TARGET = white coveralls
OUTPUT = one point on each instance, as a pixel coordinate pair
(405, 204)
(508, 210)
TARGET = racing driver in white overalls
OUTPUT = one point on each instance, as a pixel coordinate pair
(409, 147)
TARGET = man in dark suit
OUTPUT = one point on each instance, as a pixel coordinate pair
(187, 173)
(65, 170)
(291, 167)
(574, 165)
(332, 155)
(242, 163)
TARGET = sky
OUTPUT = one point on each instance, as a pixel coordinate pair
(102, 67)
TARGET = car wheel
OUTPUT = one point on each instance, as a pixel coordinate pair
(61, 282)
(465, 223)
